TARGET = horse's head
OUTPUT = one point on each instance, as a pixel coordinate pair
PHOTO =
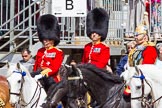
(75, 81)
(74, 78)
(139, 85)
(16, 80)
(128, 74)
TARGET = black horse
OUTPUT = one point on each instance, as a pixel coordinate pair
(105, 88)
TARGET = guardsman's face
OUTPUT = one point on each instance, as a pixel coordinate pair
(95, 37)
(48, 43)
(140, 38)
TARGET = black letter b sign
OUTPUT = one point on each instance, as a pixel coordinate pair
(69, 4)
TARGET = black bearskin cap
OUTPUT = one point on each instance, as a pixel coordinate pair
(48, 28)
(97, 22)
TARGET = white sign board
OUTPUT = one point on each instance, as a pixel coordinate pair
(69, 8)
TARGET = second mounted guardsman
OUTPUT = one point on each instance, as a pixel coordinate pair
(49, 58)
(96, 52)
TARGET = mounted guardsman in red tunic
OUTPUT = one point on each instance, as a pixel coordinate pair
(49, 58)
(96, 52)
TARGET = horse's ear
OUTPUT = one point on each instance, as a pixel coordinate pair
(74, 70)
(8, 66)
(18, 65)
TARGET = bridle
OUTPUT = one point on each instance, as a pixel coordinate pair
(22, 81)
(142, 98)
(19, 94)
(80, 101)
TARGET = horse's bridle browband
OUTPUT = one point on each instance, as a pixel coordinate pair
(77, 77)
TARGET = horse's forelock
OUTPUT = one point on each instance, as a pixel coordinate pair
(128, 74)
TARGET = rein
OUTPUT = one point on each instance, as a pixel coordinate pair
(77, 77)
(156, 100)
(36, 102)
(110, 97)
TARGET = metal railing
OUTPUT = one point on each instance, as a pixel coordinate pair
(18, 20)
(71, 27)
(18, 24)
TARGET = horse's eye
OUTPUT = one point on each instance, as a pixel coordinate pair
(19, 81)
(138, 87)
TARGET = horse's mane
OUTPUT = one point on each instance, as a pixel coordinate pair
(151, 71)
(101, 72)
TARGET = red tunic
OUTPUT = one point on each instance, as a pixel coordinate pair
(51, 58)
(149, 55)
(142, 55)
(98, 54)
